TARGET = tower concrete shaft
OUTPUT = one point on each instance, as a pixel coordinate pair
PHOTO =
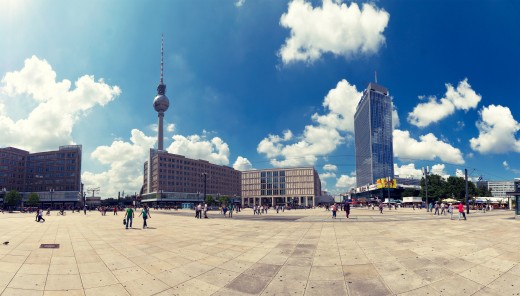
(160, 136)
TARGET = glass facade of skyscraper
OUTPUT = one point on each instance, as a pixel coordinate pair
(373, 136)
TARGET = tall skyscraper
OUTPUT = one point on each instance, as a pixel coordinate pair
(373, 136)
(161, 103)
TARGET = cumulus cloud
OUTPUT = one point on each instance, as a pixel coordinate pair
(505, 165)
(125, 161)
(497, 129)
(341, 103)
(459, 173)
(327, 175)
(440, 169)
(330, 167)
(170, 127)
(346, 182)
(239, 3)
(332, 28)
(461, 98)
(57, 106)
(242, 164)
(319, 139)
(213, 150)
(428, 148)
(407, 171)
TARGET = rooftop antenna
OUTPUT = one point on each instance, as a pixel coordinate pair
(375, 75)
(162, 55)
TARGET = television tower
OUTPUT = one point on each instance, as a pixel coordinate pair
(161, 102)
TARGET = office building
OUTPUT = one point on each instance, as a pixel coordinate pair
(54, 175)
(282, 186)
(373, 136)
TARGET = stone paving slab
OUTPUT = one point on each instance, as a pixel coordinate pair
(297, 252)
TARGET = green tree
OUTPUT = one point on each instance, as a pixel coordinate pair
(33, 199)
(484, 191)
(13, 198)
(209, 200)
(409, 192)
(456, 187)
(224, 200)
(436, 187)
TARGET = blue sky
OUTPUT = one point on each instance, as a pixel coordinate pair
(257, 84)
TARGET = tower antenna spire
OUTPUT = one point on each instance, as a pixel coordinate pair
(162, 56)
(375, 76)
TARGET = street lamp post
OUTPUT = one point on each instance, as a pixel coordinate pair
(205, 177)
(51, 192)
(426, 173)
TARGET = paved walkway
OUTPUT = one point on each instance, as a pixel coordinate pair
(397, 253)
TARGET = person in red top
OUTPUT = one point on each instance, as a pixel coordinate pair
(461, 211)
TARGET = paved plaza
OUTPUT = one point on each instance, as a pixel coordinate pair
(299, 252)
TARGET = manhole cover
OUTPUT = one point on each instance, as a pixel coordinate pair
(49, 246)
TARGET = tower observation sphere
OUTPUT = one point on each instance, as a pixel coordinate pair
(161, 103)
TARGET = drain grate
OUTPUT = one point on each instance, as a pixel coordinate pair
(49, 246)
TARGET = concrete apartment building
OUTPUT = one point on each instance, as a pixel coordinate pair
(281, 186)
(54, 175)
(166, 175)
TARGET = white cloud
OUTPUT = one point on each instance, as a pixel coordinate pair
(330, 167)
(57, 107)
(497, 129)
(459, 173)
(505, 165)
(395, 119)
(335, 27)
(461, 98)
(319, 139)
(200, 147)
(427, 148)
(242, 164)
(327, 175)
(239, 3)
(341, 103)
(346, 182)
(439, 169)
(407, 171)
(125, 161)
(170, 128)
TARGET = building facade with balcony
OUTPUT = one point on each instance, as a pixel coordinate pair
(281, 186)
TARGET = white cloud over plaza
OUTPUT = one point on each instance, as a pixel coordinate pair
(497, 131)
(335, 27)
(461, 98)
(49, 108)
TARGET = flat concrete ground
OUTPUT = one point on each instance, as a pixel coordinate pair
(301, 252)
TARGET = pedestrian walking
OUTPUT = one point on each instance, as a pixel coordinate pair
(205, 211)
(450, 210)
(40, 216)
(443, 209)
(85, 210)
(145, 212)
(436, 209)
(461, 211)
(346, 208)
(230, 210)
(381, 207)
(129, 216)
(334, 209)
(115, 210)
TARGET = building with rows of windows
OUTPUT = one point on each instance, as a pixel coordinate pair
(282, 186)
(54, 175)
(172, 178)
